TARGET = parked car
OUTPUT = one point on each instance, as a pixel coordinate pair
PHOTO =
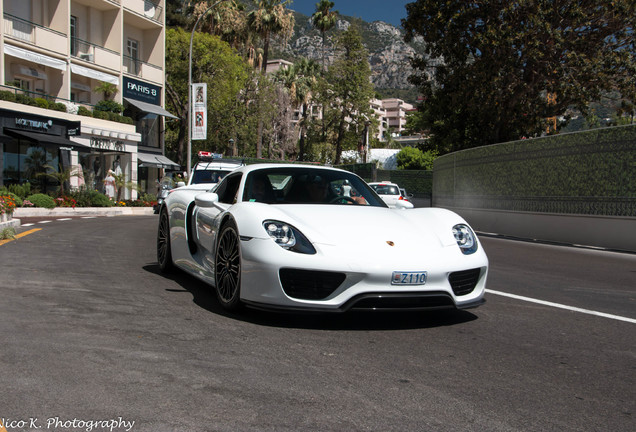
(390, 193)
(282, 236)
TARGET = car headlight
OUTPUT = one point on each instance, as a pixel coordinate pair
(466, 239)
(288, 237)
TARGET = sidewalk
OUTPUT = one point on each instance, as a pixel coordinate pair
(22, 212)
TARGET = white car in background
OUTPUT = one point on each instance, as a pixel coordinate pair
(391, 195)
(210, 170)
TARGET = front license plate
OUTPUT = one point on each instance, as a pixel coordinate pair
(408, 278)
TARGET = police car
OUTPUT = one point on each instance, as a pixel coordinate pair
(210, 169)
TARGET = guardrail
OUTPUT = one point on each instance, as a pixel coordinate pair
(94, 53)
(142, 69)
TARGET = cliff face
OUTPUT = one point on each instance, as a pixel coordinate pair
(388, 53)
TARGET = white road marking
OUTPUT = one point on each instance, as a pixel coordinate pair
(25, 225)
(88, 217)
(43, 222)
(561, 306)
(65, 219)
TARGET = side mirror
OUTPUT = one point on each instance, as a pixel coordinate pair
(206, 199)
(179, 184)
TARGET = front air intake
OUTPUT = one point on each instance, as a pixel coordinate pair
(309, 284)
(464, 282)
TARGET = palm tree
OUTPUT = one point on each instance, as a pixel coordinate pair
(121, 184)
(63, 176)
(300, 80)
(269, 19)
(107, 89)
(324, 19)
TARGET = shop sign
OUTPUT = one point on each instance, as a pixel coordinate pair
(35, 125)
(141, 91)
(107, 144)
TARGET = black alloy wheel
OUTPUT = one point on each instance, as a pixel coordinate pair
(164, 254)
(227, 267)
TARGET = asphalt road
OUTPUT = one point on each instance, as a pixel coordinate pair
(91, 332)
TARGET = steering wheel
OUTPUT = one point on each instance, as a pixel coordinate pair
(343, 198)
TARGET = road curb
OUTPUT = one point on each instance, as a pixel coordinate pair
(25, 212)
(80, 211)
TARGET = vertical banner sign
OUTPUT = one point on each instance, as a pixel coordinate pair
(199, 111)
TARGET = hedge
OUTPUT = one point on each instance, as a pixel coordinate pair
(591, 172)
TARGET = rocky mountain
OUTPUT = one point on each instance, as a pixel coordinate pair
(388, 53)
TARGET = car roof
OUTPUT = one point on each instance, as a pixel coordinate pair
(383, 184)
(256, 167)
(217, 165)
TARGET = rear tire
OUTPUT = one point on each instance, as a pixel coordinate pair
(227, 267)
(164, 254)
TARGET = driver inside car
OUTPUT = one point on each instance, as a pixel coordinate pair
(317, 190)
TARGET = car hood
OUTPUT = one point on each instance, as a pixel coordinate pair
(360, 227)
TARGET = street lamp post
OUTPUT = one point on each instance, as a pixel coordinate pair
(189, 156)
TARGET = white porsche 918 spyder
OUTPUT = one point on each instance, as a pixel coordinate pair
(281, 236)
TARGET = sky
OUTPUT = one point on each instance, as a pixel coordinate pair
(390, 11)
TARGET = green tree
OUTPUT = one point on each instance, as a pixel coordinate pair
(345, 94)
(226, 74)
(107, 89)
(410, 158)
(179, 13)
(324, 19)
(230, 23)
(121, 184)
(268, 19)
(300, 80)
(63, 176)
(35, 163)
(271, 18)
(493, 71)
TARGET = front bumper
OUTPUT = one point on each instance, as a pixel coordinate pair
(364, 284)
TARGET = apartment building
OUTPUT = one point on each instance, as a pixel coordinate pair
(59, 53)
(396, 110)
(380, 113)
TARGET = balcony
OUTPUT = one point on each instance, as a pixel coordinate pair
(141, 69)
(95, 54)
(146, 8)
(54, 103)
(33, 34)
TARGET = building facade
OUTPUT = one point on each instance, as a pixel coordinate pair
(67, 67)
(395, 114)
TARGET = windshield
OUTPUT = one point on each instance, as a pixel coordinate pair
(208, 176)
(295, 185)
(386, 189)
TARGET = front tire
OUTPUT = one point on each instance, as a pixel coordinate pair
(227, 267)
(164, 254)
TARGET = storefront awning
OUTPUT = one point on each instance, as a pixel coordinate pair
(34, 57)
(41, 138)
(149, 108)
(155, 160)
(94, 74)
